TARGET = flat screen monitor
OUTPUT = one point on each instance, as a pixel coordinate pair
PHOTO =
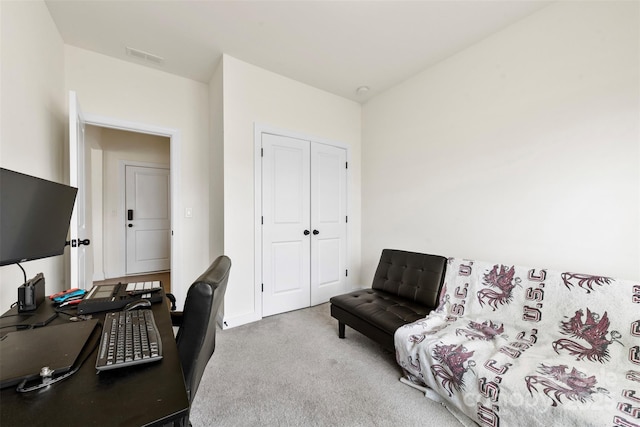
(34, 217)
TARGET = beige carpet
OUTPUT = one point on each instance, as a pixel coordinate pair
(293, 370)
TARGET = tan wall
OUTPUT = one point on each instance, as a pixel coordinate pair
(33, 122)
(118, 90)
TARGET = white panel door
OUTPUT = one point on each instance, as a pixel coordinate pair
(148, 219)
(328, 222)
(81, 269)
(286, 219)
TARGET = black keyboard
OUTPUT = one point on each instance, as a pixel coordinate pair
(128, 338)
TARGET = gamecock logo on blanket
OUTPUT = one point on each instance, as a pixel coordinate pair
(501, 282)
(584, 281)
(594, 331)
(485, 331)
(557, 382)
(450, 373)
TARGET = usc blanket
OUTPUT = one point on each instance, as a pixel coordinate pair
(514, 346)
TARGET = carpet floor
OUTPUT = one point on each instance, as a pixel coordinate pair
(292, 370)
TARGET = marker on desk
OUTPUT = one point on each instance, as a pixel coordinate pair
(71, 302)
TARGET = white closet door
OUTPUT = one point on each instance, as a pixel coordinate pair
(286, 217)
(328, 222)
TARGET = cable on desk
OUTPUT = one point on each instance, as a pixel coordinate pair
(24, 273)
(21, 326)
(15, 314)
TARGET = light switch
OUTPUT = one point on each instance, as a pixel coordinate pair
(188, 212)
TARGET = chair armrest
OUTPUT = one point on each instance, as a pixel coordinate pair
(176, 318)
(172, 299)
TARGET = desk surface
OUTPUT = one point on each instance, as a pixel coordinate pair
(150, 394)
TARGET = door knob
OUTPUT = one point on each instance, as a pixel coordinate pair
(316, 232)
(77, 242)
(306, 232)
(130, 225)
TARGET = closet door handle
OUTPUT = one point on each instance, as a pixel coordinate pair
(306, 232)
(316, 232)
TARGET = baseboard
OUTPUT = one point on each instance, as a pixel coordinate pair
(231, 322)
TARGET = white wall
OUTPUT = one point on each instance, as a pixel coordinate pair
(116, 89)
(32, 127)
(523, 148)
(254, 95)
(216, 165)
(95, 159)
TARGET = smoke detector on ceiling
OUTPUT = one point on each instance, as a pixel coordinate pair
(145, 56)
(362, 90)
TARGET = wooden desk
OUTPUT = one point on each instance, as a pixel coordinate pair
(150, 394)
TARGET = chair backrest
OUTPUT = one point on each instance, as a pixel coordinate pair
(412, 275)
(196, 338)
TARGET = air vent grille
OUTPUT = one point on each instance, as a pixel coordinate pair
(145, 56)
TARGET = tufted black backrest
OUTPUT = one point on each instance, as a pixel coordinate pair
(411, 275)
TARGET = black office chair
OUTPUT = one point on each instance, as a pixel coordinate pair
(196, 337)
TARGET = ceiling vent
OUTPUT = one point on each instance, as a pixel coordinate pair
(145, 56)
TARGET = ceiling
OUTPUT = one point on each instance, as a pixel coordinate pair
(336, 46)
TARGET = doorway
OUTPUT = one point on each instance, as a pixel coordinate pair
(130, 201)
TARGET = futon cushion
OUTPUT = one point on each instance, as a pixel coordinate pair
(382, 309)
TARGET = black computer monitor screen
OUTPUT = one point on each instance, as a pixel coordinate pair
(34, 217)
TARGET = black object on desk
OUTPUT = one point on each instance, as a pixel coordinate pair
(150, 394)
(24, 353)
(129, 338)
(117, 296)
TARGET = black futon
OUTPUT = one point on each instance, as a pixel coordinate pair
(405, 288)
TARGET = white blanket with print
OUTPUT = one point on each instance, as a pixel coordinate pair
(518, 346)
